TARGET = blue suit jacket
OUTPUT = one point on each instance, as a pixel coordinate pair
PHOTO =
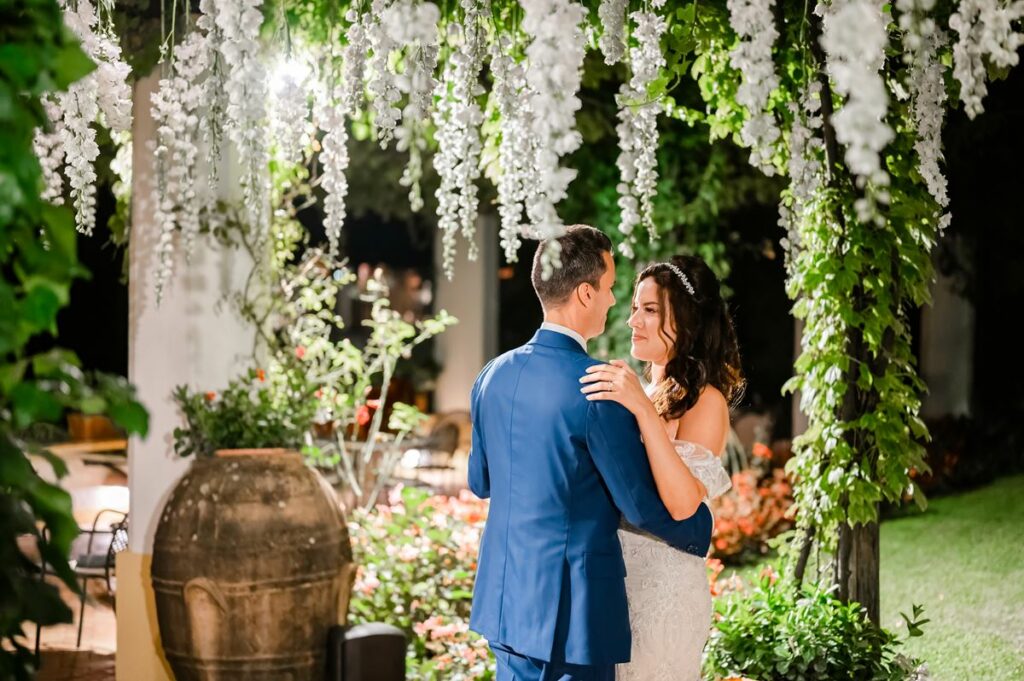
(559, 469)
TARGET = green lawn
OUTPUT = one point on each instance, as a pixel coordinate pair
(964, 561)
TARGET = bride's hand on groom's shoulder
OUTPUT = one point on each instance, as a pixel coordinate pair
(618, 382)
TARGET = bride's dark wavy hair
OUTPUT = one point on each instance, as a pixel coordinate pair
(705, 351)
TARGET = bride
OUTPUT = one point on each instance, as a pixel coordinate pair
(683, 331)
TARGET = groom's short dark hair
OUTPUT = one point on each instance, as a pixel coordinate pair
(582, 256)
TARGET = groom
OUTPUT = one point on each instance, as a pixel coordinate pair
(550, 595)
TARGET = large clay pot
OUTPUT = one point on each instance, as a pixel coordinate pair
(251, 566)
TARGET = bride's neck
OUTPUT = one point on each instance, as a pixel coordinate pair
(657, 373)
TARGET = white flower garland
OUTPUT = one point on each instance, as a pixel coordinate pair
(754, 22)
(516, 149)
(638, 131)
(246, 86)
(555, 68)
(458, 118)
(176, 111)
(986, 29)
(854, 40)
(612, 42)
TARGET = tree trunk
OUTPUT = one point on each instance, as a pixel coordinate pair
(857, 564)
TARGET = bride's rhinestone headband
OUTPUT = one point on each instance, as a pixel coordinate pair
(682, 277)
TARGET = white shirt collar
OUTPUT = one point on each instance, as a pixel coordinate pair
(558, 328)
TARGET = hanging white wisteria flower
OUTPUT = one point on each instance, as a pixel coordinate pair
(754, 23)
(246, 86)
(928, 107)
(353, 58)
(854, 40)
(415, 26)
(176, 111)
(612, 42)
(916, 25)
(638, 130)
(987, 32)
(516, 149)
(380, 80)
(79, 107)
(458, 117)
(554, 72)
(49, 147)
(103, 96)
(113, 90)
(289, 110)
(805, 168)
(331, 118)
(214, 98)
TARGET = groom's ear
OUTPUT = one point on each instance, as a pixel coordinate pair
(585, 294)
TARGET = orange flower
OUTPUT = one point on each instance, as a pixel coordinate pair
(211, 396)
(261, 375)
(363, 415)
(762, 450)
(300, 352)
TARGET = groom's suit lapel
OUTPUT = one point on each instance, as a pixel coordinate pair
(553, 339)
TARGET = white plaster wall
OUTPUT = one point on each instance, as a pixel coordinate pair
(193, 336)
(471, 297)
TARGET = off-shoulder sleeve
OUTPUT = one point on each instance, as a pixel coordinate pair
(705, 466)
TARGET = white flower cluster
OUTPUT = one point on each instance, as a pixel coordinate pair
(921, 42)
(458, 118)
(804, 167)
(215, 98)
(854, 40)
(246, 86)
(987, 32)
(754, 23)
(353, 58)
(332, 118)
(916, 25)
(79, 107)
(103, 96)
(516, 150)
(638, 130)
(289, 110)
(612, 42)
(176, 109)
(384, 94)
(555, 68)
(49, 147)
(415, 26)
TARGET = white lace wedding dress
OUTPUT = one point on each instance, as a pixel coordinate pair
(668, 592)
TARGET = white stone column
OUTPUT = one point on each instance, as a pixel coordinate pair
(947, 351)
(191, 338)
(472, 297)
